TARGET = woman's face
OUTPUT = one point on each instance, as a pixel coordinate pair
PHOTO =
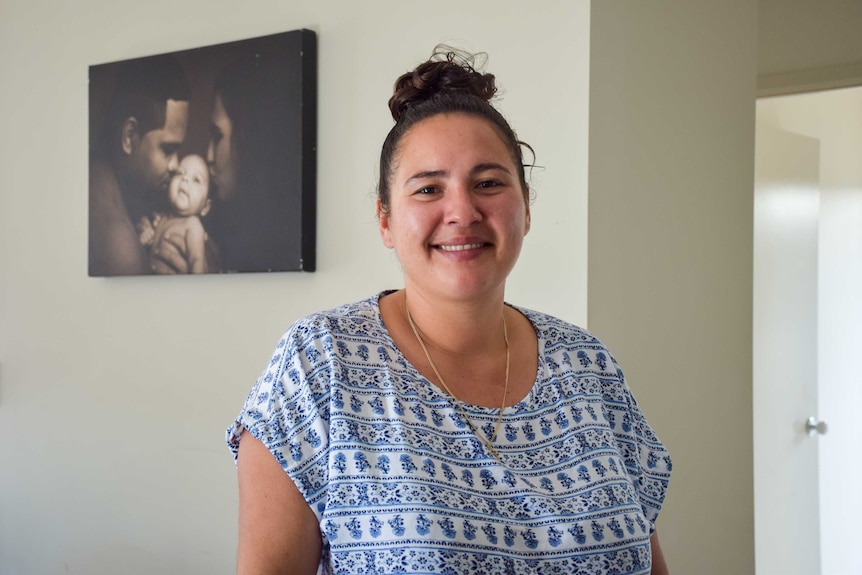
(220, 154)
(457, 214)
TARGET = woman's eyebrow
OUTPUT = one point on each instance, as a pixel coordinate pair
(426, 174)
(477, 169)
(489, 166)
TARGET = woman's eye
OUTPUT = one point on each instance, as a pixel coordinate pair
(427, 190)
(489, 184)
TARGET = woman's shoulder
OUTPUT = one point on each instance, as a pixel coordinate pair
(356, 319)
(551, 329)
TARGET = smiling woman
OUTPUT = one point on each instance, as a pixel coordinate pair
(437, 428)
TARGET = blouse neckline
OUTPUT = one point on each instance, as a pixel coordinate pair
(518, 407)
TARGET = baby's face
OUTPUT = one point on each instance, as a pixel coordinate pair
(189, 189)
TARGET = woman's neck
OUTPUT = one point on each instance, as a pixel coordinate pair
(455, 327)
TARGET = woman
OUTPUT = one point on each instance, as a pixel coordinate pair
(255, 139)
(437, 429)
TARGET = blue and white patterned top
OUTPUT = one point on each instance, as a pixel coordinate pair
(400, 483)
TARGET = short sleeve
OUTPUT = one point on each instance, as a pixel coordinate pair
(650, 465)
(287, 410)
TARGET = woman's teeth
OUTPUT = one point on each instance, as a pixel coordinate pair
(460, 248)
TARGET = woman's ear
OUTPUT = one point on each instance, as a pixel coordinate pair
(130, 135)
(383, 225)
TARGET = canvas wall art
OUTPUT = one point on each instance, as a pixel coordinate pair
(204, 160)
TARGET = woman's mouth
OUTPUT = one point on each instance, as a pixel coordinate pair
(460, 247)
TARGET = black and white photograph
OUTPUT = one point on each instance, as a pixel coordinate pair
(203, 160)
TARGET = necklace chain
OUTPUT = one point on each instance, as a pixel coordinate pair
(488, 443)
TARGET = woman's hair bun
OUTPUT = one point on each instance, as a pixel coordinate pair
(448, 71)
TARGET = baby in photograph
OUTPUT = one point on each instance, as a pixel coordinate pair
(181, 230)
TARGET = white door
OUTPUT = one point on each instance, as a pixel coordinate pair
(787, 523)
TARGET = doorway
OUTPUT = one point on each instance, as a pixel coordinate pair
(808, 333)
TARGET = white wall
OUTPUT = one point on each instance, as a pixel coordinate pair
(114, 393)
(672, 91)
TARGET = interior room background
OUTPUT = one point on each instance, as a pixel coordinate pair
(115, 393)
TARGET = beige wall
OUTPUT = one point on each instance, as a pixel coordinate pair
(672, 87)
(672, 92)
(115, 393)
(808, 45)
(797, 35)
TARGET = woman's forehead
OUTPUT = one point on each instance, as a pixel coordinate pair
(452, 137)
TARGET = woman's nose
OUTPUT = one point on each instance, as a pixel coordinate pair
(461, 207)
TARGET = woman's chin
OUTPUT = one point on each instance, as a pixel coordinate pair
(469, 288)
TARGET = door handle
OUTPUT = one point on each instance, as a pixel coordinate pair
(812, 427)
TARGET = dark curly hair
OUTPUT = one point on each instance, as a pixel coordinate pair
(447, 82)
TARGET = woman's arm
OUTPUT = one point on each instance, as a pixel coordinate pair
(659, 564)
(278, 531)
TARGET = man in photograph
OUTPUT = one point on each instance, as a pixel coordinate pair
(133, 159)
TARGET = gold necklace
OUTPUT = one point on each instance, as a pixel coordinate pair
(488, 443)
